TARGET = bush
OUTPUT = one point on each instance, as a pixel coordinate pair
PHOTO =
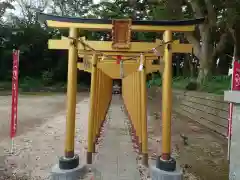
(217, 84)
(47, 77)
(29, 83)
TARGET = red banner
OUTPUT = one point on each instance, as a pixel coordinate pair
(236, 76)
(235, 87)
(13, 126)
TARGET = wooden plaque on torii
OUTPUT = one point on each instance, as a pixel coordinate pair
(121, 33)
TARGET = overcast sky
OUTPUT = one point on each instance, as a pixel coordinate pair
(17, 10)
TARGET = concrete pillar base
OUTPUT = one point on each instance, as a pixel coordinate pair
(158, 174)
(71, 174)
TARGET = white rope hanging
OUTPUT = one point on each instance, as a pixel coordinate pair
(121, 69)
(85, 63)
(141, 62)
(156, 52)
(103, 57)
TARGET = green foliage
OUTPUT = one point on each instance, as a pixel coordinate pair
(41, 67)
(216, 85)
(29, 83)
(158, 12)
(154, 82)
(47, 77)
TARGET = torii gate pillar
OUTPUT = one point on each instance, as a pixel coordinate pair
(68, 166)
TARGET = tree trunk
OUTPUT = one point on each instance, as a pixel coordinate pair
(206, 56)
(236, 37)
(191, 66)
(186, 67)
(177, 66)
(237, 43)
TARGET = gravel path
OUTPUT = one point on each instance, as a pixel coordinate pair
(116, 159)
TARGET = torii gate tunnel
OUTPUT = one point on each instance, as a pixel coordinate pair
(125, 60)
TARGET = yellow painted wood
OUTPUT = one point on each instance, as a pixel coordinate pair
(92, 106)
(104, 27)
(98, 102)
(106, 46)
(182, 48)
(80, 66)
(167, 100)
(113, 70)
(113, 58)
(139, 107)
(144, 109)
(71, 97)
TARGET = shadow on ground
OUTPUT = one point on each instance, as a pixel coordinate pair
(201, 153)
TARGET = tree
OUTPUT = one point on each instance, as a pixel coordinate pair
(29, 8)
(232, 20)
(74, 8)
(209, 38)
(4, 5)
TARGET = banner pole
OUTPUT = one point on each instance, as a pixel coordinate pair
(12, 146)
(229, 133)
(14, 108)
(230, 118)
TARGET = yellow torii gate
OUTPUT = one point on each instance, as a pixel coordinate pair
(99, 59)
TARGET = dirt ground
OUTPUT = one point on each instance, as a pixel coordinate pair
(40, 122)
(201, 153)
(41, 131)
(33, 110)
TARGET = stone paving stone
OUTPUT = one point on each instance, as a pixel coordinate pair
(116, 159)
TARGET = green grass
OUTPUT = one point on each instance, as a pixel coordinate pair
(216, 85)
(37, 87)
